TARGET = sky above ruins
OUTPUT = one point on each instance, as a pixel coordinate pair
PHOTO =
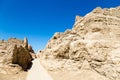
(38, 20)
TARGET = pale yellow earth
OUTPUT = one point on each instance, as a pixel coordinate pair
(37, 72)
(19, 76)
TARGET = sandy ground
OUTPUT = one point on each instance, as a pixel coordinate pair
(76, 75)
(65, 75)
(37, 72)
(20, 76)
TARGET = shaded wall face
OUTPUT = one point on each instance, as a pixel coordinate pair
(22, 57)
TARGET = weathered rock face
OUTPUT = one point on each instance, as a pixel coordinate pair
(94, 39)
(14, 56)
(25, 43)
(22, 57)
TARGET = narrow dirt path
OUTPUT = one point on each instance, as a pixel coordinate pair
(37, 72)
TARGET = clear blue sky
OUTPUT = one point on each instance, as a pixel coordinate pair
(38, 20)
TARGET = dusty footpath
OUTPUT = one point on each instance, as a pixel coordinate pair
(37, 72)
